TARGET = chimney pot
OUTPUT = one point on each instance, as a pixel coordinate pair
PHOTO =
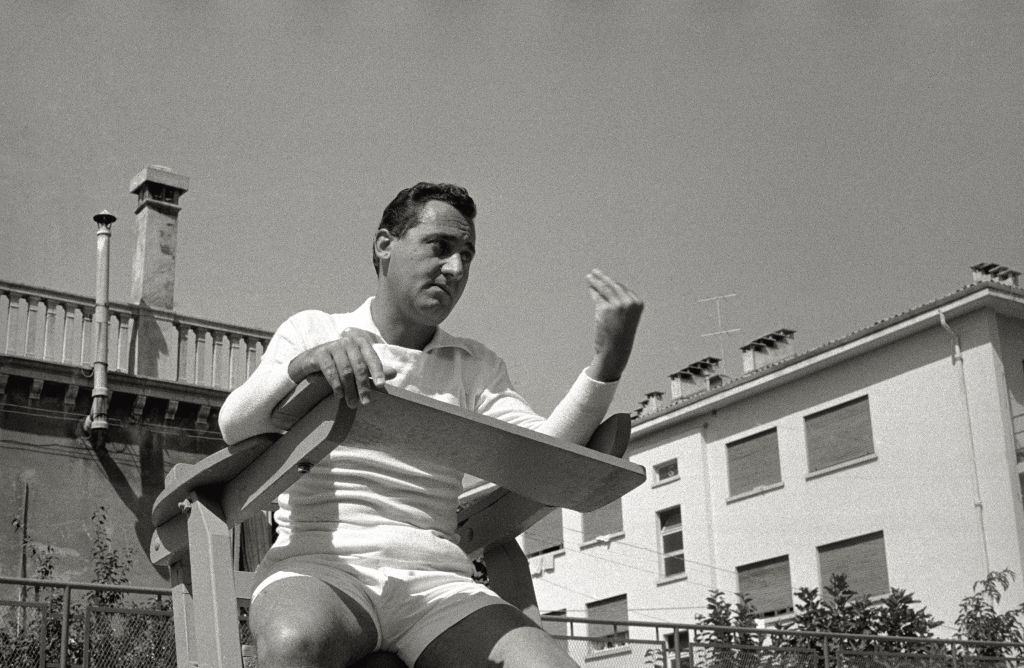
(767, 349)
(696, 377)
(995, 273)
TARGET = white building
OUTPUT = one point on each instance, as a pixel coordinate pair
(890, 455)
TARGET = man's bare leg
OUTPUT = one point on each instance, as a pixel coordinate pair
(498, 635)
(301, 622)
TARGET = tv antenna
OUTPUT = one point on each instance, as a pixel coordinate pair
(721, 333)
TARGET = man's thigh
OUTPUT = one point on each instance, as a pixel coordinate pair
(495, 635)
(304, 621)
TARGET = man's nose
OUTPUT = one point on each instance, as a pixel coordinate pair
(454, 266)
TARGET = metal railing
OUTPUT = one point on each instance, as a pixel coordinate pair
(49, 624)
(622, 644)
(58, 327)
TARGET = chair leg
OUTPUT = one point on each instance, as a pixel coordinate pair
(184, 617)
(215, 604)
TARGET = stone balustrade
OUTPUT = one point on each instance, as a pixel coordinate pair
(58, 327)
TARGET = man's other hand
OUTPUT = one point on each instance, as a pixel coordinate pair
(349, 363)
(616, 313)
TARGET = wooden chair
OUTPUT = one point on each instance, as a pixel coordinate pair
(528, 473)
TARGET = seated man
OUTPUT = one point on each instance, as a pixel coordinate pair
(367, 555)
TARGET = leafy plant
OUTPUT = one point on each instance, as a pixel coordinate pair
(978, 619)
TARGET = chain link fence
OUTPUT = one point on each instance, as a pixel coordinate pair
(46, 624)
(629, 644)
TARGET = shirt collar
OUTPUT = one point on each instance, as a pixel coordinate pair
(363, 319)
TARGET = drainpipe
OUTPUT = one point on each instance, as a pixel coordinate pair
(96, 423)
(958, 362)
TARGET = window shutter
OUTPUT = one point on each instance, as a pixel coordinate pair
(545, 535)
(557, 628)
(768, 585)
(603, 521)
(753, 462)
(862, 559)
(839, 434)
(610, 609)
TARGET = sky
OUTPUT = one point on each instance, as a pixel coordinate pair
(828, 163)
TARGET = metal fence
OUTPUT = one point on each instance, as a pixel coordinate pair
(45, 624)
(628, 644)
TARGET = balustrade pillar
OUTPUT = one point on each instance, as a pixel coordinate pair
(69, 323)
(199, 377)
(31, 326)
(13, 303)
(48, 326)
(86, 334)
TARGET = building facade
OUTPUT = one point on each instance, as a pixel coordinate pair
(168, 375)
(890, 455)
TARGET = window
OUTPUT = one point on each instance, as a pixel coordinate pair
(605, 636)
(670, 523)
(681, 657)
(666, 471)
(604, 521)
(839, 434)
(544, 536)
(559, 630)
(861, 559)
(753, 462)
(767, 584)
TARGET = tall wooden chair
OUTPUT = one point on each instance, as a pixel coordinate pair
(528, 473)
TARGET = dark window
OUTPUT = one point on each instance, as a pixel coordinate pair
(604, 636)
(545, 535)
(670, 524)
(839, 434)
(680, 658)
(860, 559)
(557, 629)
(604, 521)
(753, 462)
(666, 471)
(767, 584)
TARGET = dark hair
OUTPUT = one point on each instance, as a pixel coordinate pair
(403, 212)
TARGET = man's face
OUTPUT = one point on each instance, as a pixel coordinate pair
(428, 266)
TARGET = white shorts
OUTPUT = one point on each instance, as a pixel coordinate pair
(409, 608)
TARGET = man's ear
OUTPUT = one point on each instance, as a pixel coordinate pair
(382, 247)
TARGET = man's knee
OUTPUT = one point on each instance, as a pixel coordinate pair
(304, 622)
(293, 642)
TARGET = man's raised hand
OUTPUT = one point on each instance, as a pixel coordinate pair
(349, 363)
(616, 313)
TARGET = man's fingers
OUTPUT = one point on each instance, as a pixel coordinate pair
(373, 363)
(603, 287)
(361, 375)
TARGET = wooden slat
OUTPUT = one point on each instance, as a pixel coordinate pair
(215, 606)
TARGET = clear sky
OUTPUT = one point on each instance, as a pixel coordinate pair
(830, 163)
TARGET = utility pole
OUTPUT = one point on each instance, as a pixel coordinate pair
(718, 312)
(23, 559)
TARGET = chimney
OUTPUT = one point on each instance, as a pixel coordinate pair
(767, 349)
(156, 216)
(697, 377)
(652, 403)
(995, 273)
(158, 189)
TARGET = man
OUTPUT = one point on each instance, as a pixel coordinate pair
(366, 556)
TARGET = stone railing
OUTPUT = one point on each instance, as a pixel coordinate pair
(58, 327)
